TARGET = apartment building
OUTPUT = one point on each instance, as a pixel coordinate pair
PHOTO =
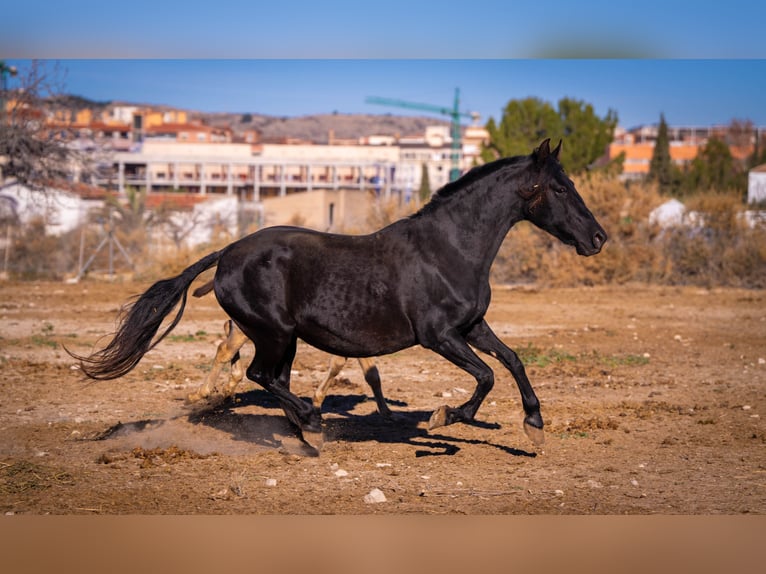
(165, 154)
(195, 158)
(685, 143)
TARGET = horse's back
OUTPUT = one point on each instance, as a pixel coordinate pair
(340, 293)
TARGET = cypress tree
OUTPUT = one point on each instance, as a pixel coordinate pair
(661, 167)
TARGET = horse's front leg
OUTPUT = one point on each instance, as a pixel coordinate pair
(483, 338)
(455, 349)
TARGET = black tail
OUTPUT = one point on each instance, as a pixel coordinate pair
(140, 323)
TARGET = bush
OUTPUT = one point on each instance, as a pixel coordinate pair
(35, 255)
(530, 255)
(723, 252)
(721, 249)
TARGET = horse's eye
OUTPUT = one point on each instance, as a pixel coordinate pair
(561, 189)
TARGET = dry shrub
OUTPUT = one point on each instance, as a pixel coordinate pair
(718, 247)
(385, 211)
(169, 260)
(532, 255)
(35, 255)
(723, 252)
(715, 248)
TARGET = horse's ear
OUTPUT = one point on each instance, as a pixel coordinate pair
(557, 149)
(543, 151)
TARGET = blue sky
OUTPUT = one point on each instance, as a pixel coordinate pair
(687, 92)
(697, 65)
(390, 29)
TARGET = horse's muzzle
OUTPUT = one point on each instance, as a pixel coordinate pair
(599, 238)
(597, 242)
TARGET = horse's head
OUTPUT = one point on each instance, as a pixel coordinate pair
(553, 204)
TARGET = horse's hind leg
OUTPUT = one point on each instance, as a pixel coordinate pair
(483, 338)
(336, 364)
(372, 376)
(228, 351)
(236, 374)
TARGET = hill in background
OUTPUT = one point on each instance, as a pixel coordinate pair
(316, 128)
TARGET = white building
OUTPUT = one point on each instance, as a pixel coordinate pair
(61, 211)
(756, 184)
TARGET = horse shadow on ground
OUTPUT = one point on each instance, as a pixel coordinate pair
(274, 431)
(406, 428)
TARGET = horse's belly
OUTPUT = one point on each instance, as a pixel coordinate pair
(365, 336)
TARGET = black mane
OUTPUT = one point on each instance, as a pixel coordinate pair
(466, 181)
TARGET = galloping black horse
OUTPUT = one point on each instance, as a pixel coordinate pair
(423, 280)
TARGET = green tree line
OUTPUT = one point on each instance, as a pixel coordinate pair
(525, 123)
(713, 169)
(586, 135)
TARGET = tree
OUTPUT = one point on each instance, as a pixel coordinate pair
(715, 168)
(743, 134)
(525, 123)
(759, 151)
(35, 130)
(586, 136)
(130, 217)
(661, 168)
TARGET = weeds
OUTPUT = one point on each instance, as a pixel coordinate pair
(625, 360)
(532, 355)
(43, 341)
(188, 337)
(23, 476)
(45, 337)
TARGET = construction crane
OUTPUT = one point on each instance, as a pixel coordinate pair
(454, 113)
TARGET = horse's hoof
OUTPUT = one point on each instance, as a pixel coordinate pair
(391, 417)
(199, 403)
(438, 418)
(315, 439)
(536, 435)
(192, 398)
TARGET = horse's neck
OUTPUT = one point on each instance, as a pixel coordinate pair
(472, 225)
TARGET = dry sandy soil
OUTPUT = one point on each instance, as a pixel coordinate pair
(653, 399)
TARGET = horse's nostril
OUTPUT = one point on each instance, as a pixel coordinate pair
(599, 239)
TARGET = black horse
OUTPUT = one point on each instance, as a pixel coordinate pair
(423, 280)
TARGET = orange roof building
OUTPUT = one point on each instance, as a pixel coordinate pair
(685, 143)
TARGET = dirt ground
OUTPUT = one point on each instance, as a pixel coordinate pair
(653, 399)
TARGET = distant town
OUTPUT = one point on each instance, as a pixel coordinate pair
(327, 159)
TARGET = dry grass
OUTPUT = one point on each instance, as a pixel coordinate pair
(725, 252)
(631, 254)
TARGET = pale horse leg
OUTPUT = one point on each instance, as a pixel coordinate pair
(228, 352)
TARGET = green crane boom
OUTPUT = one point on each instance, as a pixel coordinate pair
(454, 113)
